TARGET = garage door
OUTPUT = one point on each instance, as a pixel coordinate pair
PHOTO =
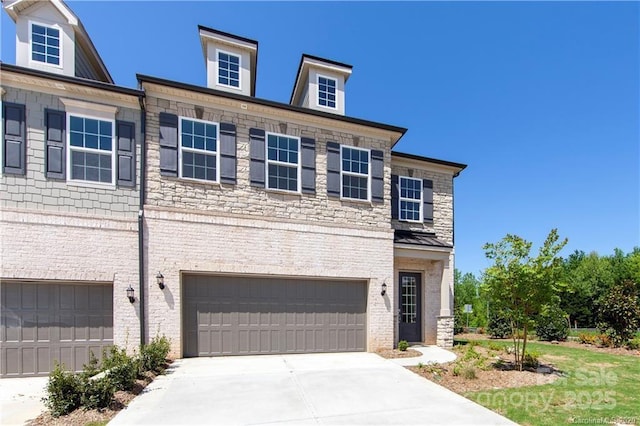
(241, 316)
(44, 322)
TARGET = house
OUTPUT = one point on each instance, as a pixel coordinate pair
(246, 226)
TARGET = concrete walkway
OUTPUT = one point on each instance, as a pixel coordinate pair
(430, 355)
(330, 389)
(20, 399)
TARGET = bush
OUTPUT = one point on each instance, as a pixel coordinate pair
(499, 327)
(552, 324)
(480, 330)
(403, 345)
(619, 312)
(634, 343)
(604, 340)
(154, 355)
(92, 368)
(587, 338)
(122, 369)
(531, 360)
(468, 372)
(97, 393)
(63, 392)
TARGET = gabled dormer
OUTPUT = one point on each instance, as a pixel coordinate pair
(320, 84)
(231, 61)
(50, 37)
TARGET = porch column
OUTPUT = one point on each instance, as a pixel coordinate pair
(445, 319)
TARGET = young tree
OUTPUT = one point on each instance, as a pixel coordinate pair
(521, 285)
(619, 312)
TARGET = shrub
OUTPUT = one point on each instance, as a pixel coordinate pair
(97, 393)
(403, 345)
(480, 330)
(457, 369)
(468, 372)
(604, 340)
(495, 347)
(619, 312)
(63, 392)
(499, 327)
(122, 369)
(470, 354)
(92, 367)
(634, 343)
(531, 359)
(552, 324)
(587, 338)
(154, 355)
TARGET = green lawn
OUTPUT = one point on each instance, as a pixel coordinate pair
(597, 388)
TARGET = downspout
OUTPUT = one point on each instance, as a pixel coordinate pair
(143, 172)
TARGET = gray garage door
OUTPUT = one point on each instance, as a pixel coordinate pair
(241, 316)
(43, 322)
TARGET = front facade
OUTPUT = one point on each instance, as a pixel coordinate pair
(237, 225)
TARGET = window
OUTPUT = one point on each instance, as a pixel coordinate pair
(91, 149)
(326, 92)
(283, 162)
(228, 69)
(45, 44)
(410, 200)
(355, 173)
(198, 149)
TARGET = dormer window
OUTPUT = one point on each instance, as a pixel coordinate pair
(45, 44)
(327, 91)
(228, 69)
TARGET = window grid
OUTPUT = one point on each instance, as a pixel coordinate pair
(228, 69)
(327, 92)
(283, 160)
(45, 44)
(355, 173)
(199, 150)
(409, 299)
(410, 199)
(91, 149)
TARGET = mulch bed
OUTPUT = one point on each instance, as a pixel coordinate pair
(395, 353)
(81, 417)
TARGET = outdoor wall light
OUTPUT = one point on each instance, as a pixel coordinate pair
(130, 292)
(384, 289)
(160, 280)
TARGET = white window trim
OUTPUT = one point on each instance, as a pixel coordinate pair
(218, 51)
(114, 165)
(282, 163)
(368, 175)
(400, 199)
(54, 26)
(199, 151)
(318, 76)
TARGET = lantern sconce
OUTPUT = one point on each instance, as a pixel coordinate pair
(130, 294)
(384, 289)
(160, 280)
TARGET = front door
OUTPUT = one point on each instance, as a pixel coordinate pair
(410, 307)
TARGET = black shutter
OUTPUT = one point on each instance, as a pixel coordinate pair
(308, 148)
(168, 144)
(395, 196)
(257, 154)
(377, 176)
(55, 154)
(333, 169)
(126, 152)
(227, 153)
(427, 200)
(15, 139)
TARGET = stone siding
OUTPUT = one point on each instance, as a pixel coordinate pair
(244, 199)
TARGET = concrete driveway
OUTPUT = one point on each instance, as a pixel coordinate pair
(333, 389)
(21, 399)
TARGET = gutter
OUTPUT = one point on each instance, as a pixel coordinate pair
(143, 168)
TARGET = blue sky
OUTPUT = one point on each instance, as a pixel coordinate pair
(540, 99)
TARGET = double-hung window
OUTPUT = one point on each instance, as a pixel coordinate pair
(283, 162)
(228, 69)
(91, 149)
(327, 92)
(410, 199)
(355, 173)
(45, 44)
(198, 149)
